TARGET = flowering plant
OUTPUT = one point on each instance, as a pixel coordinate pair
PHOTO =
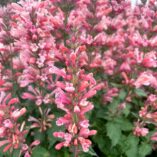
(78, 78)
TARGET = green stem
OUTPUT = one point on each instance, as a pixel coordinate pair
(20, 153)
(76, 151)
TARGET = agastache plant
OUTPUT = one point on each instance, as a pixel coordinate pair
(37, 47)
(77, 86)
(11, 131)
(72, 97)
(64, 63)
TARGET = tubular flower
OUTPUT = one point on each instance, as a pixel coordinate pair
(72, 97)
(10, 133)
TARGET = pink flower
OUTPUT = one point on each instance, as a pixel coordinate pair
(8, 124)
(113, 92)
(18, 113)
(125, 67)
(85, 143)
(2, 131)
(4, 142)
(103, 24)
(27, 154)
(152, 98)
(62, 120)
(84, 123)
(154, 137)
(147, 79)
(34, 94)
(35, 143)
(150, 60)
(109, 65)
(59, 146)
(140, 131)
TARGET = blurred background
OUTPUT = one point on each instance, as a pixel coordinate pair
(4, 2)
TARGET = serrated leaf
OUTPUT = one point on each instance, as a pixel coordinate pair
(40, 152)
(144, 149)
(51, 138)
(98, 138)
(132, 143)
(124, 124)
(113, 132)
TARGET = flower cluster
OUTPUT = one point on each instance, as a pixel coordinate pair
(10, 130)
(72, 97)
(58, 55)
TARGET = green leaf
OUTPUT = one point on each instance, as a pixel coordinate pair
(116, 85)
(40, 152)
(144, 149)
(122, 94)
(39, 136)
(113, 132)
(61, 153)
(132, 144)
(51, 139)
(100, 141)
(16, 153)
(92, 152)
(1, 150)
(140, 92)
(116, 101)
(126, 110)
(124, 124)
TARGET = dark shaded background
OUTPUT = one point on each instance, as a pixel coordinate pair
(4, 2)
